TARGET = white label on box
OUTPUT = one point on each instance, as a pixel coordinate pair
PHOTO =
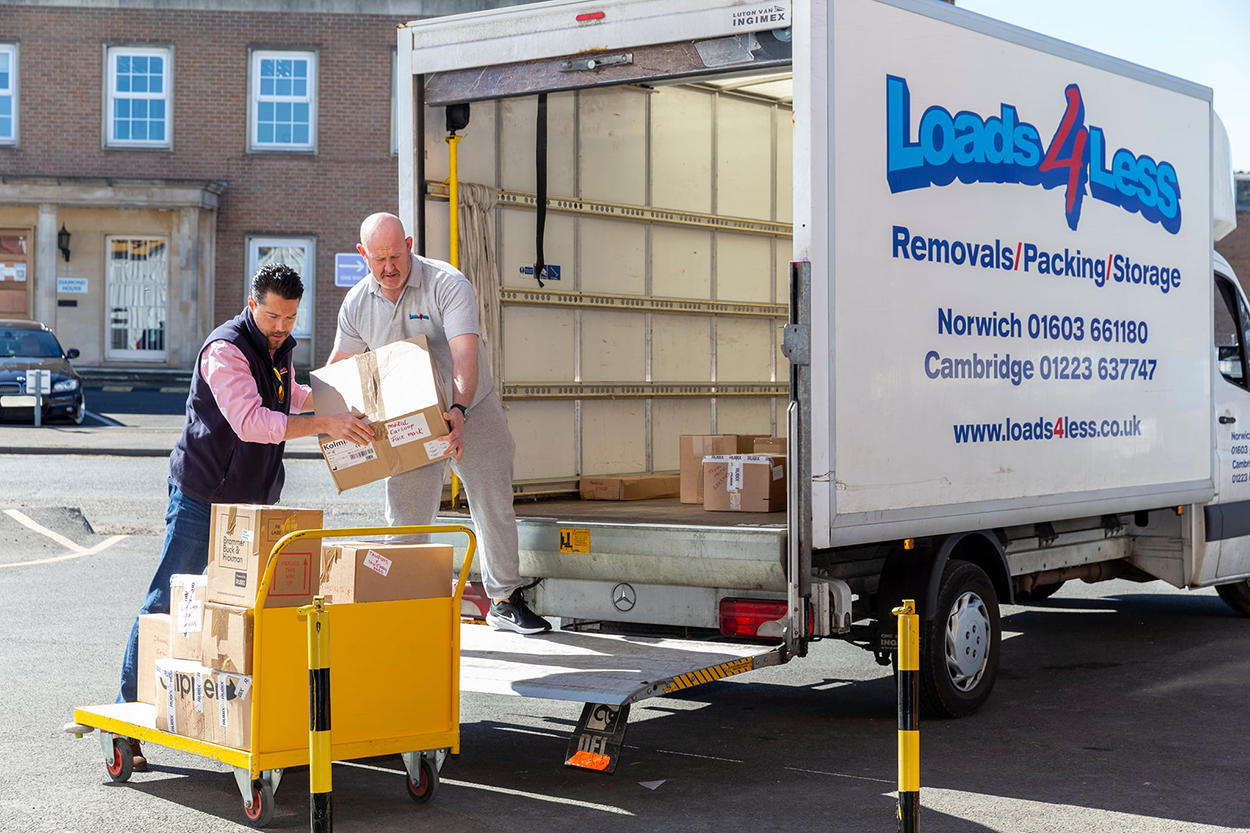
(437, 448)
(245, 684)
(733, 483)
(222, 686)
(190, 611)
(246, 535)
(341, 454)
(199, 692)
(171, 708)
(735, 501)
(407, 430)
(778, 472)
(380, 564)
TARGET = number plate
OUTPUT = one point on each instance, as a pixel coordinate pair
(17, 401)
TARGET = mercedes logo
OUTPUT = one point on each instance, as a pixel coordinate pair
(624, 597)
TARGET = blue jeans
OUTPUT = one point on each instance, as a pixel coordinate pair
(185, 552)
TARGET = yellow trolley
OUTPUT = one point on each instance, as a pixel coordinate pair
(395, 684)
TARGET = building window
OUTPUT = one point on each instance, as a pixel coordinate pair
(283, 107)
(300, 254)
(139, 97)
(8, 94)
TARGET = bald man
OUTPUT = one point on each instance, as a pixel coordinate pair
(404, 296)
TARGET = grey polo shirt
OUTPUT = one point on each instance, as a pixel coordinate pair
(437, 302)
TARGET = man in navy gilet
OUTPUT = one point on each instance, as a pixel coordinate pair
(243, 405)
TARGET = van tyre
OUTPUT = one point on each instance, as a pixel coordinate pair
(959, 646)
(1236, 596)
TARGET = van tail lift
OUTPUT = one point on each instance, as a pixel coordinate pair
(606, 672)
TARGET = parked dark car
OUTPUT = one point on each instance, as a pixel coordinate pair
(28, 345)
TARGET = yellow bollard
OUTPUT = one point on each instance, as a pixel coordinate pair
(908, 721)
(320, 809)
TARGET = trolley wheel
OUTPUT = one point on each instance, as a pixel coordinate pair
(123, 761)
(261, 811)
(427, 782)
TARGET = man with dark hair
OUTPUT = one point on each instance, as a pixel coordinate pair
(243, 405)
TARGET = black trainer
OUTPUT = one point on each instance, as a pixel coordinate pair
(512, 614)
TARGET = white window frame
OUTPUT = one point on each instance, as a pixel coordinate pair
(166, 53)
(394, 102)
(254, 99)
(305, 322)
(12, 91)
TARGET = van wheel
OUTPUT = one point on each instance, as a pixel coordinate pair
(959, 647)
(1236, 596)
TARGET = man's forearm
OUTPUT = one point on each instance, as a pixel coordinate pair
(306, 425)
(464, 383)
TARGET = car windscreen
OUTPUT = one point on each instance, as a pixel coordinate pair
(29, 344)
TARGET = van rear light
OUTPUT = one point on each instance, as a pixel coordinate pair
(753, 618)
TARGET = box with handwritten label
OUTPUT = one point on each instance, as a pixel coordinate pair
(241, 539)
(744, 483)
(186, 615)
(398, 389)
(357, 572)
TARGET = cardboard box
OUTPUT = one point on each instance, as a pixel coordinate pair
(397, 387)
(154, 632)
(744, 483)
(636, 487)
(227, 638)
(198, 702)
(769, 445)
(242, 537)
(357, 572)
(694, 447)
(186, 609)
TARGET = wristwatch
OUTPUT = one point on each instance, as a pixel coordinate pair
(463, 410)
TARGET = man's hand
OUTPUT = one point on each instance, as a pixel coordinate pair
(347, 426)
(344, 426)
(456, 438)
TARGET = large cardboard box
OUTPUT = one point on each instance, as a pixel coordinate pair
(198, 702)
(635, 487)
(398, 388)
(227, 638)
(186, 608)
(358, 572)
(769, 445)
(242, 537)
(744, 483)
(694, 447)
(154, 631)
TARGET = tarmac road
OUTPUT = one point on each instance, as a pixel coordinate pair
(1119, 707)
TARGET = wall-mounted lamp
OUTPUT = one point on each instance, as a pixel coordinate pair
(62, 241)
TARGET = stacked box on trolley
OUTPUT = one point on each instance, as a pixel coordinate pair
(198, 702)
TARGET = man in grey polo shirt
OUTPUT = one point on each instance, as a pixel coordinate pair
(406, 295)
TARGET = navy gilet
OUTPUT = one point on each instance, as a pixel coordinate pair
(209, 462)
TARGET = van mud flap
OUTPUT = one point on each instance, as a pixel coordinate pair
(596, 742)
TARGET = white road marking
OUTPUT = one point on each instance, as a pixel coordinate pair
(104, 419)
(705, 757)
(605, 808)
(76, 550)
(840, 775)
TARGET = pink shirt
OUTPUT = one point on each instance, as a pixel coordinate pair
(225, 369)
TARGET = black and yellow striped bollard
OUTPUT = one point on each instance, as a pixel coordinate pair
(320, 809)
(908, 721)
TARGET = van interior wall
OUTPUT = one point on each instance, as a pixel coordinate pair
(686, 148)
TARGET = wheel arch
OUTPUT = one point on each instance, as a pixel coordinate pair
(979, 548)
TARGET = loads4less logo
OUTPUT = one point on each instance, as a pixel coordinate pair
(1005, 148)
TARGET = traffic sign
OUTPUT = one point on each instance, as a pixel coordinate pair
(349, 269)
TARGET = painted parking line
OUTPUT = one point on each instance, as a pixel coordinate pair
(76, 550)
(553, 799)
(118, 388)
(104, 419)
(183, 389)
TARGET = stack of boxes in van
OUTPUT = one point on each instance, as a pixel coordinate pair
(202, 688)
(734, 472)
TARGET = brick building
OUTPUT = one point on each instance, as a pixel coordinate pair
(153, 156)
